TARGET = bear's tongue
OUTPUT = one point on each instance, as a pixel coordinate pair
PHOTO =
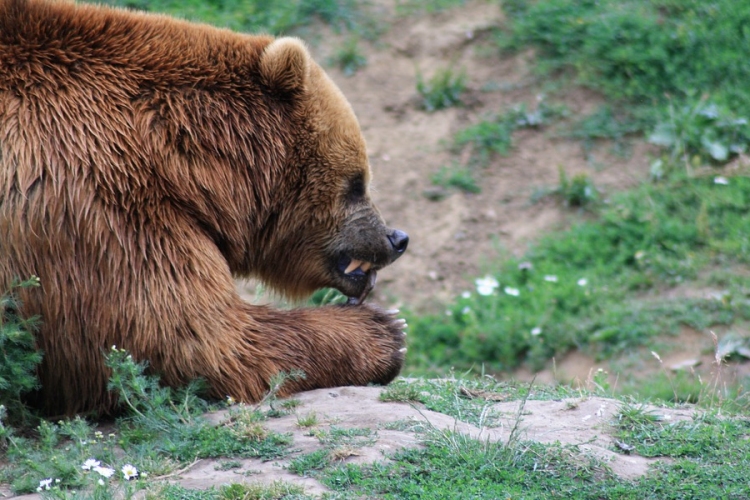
(371, 279)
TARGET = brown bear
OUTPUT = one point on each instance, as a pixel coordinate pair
(144, 162)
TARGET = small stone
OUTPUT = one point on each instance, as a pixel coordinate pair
(685, 364)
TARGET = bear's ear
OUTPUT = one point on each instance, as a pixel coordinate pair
(285, 64)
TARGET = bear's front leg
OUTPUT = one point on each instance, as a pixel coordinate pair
(334, 345)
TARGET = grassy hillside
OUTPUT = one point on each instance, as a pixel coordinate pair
(632, 271)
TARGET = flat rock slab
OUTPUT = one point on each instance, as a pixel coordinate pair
(584, 422)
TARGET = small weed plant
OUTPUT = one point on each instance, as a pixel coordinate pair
(442, 90)
(349, 58)
(700, 131)
(489, 137)
(19, 357)
(456, 176)
(161, 430)
(605, 124)
(494, 135)
(578, 191)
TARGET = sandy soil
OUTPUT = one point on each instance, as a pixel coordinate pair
(451, 240)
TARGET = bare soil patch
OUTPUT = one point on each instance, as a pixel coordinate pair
(455, 239)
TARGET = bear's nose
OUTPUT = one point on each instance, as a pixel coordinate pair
(399, 240)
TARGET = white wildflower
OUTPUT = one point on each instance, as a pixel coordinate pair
(44, 484)
(551, 278)
(721, 180)
(465, 310)
(486, 285)
(536, 331)
(466, 294)
(129, 472)
(515, 292)
(104, 471)
(90, 464)
(583, 282)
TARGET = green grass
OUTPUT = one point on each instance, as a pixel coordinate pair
(262, 16)
(278, 490)
(486, 139)
(583, 288)
(678, 66)
(454, 466)
(605, 125)
(162, 430)
(411, 7)
(309, 463)
(452, 395)
(493, 136)
(709, 456)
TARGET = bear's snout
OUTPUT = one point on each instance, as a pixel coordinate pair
(399, 241)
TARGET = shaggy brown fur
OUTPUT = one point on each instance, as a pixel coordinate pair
(143, 162)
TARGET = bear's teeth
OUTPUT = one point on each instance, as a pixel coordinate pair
(366, 266)
(353, 265)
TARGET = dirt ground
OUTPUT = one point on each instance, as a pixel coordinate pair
(453, 240)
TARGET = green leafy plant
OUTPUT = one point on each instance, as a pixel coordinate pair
(605, 124)
(578, 191)
(442, 90)
(326, 296)
(456, 176)
(702, 128)
(349, 57)
(309, 420)
(160, 413)
(494, 135)
(19, 357)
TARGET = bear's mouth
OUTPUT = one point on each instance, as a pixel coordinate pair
(360, 276)
(357, 267)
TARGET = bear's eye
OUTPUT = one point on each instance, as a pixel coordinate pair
(356, 190)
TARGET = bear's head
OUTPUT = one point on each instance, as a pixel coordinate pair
(328, 232)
